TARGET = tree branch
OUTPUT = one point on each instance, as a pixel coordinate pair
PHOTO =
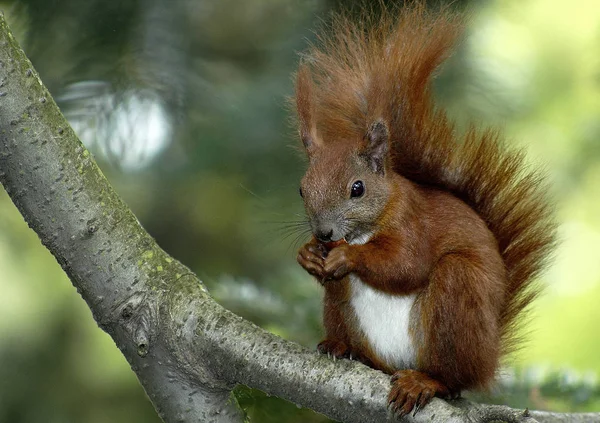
(187, 351)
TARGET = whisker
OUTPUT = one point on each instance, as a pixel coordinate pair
(282, 230)
(298, 240)
(298, 235)
(253, 194)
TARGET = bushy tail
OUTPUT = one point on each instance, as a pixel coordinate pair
(371, 68)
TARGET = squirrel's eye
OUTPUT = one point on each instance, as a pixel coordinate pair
(358, 189)
(300, 191)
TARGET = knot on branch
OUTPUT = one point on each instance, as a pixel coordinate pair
(91, 227)
(139, 318)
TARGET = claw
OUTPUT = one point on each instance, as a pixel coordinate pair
(416, 410)
(417, 404)
(425, 398)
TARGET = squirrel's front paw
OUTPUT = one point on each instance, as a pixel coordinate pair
(339, 262)
(312, 258)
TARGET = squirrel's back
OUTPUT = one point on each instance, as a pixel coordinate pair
(372, 68)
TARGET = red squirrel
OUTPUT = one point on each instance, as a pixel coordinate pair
(427, 242)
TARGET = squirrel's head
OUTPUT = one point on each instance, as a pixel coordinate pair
(346, 186)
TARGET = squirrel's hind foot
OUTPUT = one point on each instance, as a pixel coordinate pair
(334, 348)
(412, 389)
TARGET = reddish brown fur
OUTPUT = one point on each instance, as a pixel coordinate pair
(465, 225)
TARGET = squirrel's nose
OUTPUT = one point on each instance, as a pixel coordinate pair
(324, 235)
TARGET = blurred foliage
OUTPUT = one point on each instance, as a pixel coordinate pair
(184, 105)
(537, 388)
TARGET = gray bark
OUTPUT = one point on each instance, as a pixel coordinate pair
(187, 351)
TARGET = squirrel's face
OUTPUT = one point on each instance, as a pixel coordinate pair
(346, 188)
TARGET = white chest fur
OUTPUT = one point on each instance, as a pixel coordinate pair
(385, 319)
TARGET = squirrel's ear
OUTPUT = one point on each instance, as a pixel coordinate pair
(304, 107)
(376, 148)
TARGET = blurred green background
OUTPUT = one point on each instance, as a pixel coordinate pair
(184, 105)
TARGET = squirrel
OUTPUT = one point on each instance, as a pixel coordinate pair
(427, 242)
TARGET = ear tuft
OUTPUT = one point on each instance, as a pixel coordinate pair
(305, 108)
(376, 148)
